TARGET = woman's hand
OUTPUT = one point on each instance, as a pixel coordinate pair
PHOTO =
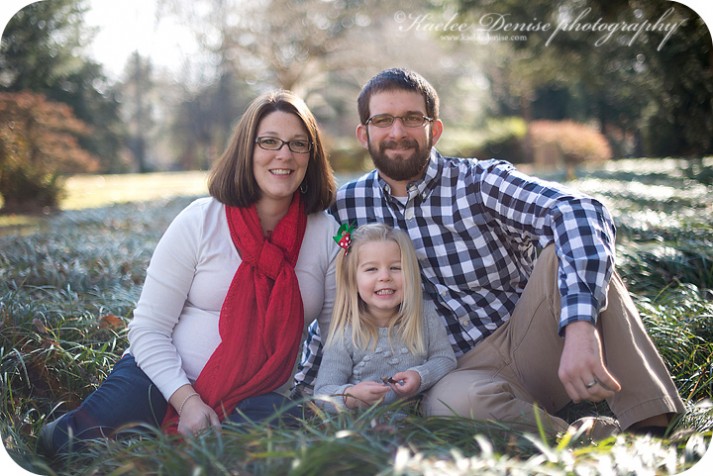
(365, 394)
(407, 383)
(196, 416)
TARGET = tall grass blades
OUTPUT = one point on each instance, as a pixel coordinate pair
(67, 292)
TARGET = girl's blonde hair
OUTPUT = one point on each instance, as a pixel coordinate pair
(350, 309)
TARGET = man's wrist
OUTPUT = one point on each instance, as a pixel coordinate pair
(583, 324)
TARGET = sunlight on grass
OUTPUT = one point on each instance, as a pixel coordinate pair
(91, 191)
(19, 221)
(84, 192)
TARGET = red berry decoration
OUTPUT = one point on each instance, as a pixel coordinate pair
(343, 238)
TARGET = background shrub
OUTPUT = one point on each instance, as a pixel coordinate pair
(501, 138)
(38, 143)
(556, 143)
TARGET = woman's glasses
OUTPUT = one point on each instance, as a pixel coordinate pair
(298, 146)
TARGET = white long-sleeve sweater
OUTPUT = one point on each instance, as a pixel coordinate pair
(175, 326)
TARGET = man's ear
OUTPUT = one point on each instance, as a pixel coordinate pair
(436, 130)
(362, 135)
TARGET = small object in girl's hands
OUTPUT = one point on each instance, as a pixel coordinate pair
(388, 380)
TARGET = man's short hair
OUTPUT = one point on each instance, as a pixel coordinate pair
(397, 79)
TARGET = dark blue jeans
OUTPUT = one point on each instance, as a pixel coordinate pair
(129, 400)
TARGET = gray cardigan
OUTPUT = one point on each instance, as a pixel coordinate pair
(344, 365)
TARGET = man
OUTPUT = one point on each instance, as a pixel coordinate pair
(529, 334)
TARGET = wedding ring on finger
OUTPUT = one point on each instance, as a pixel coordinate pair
(591, 384)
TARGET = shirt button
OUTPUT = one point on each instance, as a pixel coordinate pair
(464, 321)
(409, 214)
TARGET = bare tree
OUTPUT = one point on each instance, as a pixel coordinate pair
(137, 89)
(323, 50)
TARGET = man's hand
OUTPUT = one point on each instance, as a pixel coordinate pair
(582, 370)
(365, 394)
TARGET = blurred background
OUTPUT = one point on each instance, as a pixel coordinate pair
(108, 87)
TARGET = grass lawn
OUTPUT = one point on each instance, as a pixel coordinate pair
(69, 282)
(93, 191)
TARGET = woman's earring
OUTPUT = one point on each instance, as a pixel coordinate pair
(303, 188)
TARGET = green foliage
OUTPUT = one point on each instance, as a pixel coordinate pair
(67, 292)
(28, 190)
(60, 286)
(500, 138)
(41, 52)
(39, 44)
(688, 348)
(665, 254)
(348, 156)
(653, 91)
(700, 172)
(94, 101)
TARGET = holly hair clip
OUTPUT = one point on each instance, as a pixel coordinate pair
(344, 237)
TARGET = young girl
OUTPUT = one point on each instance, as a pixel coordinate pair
(383, 342)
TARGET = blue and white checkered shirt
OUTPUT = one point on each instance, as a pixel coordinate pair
(476, 226)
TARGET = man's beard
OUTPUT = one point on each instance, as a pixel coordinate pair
(402, 168)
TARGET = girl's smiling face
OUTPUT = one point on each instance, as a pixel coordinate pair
(379, 279)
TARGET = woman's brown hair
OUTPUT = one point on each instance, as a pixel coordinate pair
(232, 181)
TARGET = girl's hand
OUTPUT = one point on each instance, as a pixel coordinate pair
(408, 383)
(365, 394)
(196, 416)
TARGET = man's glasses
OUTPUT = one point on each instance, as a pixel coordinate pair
(298, 146)
(387, 120)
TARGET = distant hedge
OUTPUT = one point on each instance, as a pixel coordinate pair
(557, 143)
(544, 143)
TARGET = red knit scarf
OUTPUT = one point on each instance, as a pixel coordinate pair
(262, 317)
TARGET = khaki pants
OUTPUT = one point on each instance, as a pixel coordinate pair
(514, 368)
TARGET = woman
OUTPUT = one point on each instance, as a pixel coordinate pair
(232, 282)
